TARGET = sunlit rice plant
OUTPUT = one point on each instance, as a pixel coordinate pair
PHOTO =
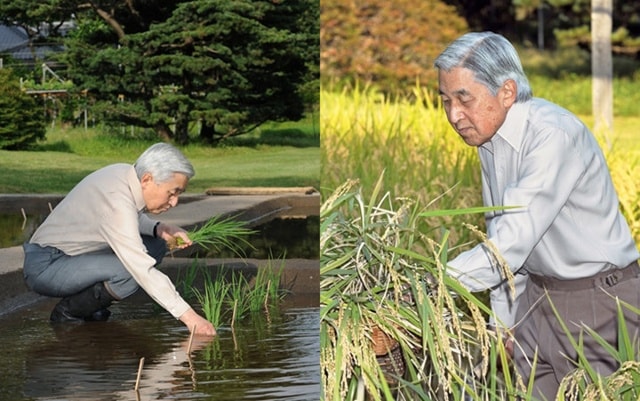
(623, 384)
(364, 134)
(382, 258)
(625, 170)
(384, 283)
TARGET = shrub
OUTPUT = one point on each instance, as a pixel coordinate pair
(22, 120)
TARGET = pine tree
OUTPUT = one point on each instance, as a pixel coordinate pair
(21, 119)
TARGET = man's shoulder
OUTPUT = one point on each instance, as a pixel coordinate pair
(540, 107)
(107, 177)
(113, 170)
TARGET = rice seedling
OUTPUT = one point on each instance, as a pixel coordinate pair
(187, 278)
(212, 298)
(220, 233)
(237, 297)
(266, 290)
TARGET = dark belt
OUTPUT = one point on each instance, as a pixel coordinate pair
(605, 279)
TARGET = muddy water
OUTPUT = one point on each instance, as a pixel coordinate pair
(274, 357)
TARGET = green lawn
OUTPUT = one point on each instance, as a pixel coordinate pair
(278, 155)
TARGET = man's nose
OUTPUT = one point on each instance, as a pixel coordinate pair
(455, 114)
(173, 201)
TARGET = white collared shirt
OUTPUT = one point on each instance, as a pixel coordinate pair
(568, 224)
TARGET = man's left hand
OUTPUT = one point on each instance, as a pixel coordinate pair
(175, 236)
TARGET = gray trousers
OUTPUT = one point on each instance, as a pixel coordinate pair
(586, 302)
(48, 271)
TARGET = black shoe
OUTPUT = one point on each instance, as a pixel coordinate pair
(89, 304)
(60, 314)
(101, 315)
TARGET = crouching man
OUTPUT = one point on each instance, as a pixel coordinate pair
(99, 245)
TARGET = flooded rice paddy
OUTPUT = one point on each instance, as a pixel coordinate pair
(265, 357)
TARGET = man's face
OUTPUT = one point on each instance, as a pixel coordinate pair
(160, 197)
(472, 110)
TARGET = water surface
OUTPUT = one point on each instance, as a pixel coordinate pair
(266, 357)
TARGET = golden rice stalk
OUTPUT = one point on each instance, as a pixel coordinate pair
(502, 264)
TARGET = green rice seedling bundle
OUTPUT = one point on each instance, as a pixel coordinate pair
(221, 233)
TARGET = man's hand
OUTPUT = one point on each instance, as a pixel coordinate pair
(175, 236)
(196, 322)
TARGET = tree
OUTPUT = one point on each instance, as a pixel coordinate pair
(570, 24)
(21, 119)
(390, 44)
(227, 65)
(35, 15)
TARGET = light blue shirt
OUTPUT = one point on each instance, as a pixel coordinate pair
(568, 224)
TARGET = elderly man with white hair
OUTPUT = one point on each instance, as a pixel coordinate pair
(99, 245)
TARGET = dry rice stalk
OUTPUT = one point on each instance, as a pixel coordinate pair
(483, 335)
(502, 264)
(605, 389)
(328, 363)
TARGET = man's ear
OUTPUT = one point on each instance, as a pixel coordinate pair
(509, 93)
(146, 180)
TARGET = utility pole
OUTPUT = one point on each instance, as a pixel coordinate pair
(602, 66)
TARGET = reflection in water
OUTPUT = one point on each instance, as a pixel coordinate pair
(274, 358)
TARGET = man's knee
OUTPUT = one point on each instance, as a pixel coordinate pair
(121, 288)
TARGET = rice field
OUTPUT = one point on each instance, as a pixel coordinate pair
(393, 326)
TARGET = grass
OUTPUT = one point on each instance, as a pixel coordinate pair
(276, 155)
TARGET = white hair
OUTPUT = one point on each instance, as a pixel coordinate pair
(492, 59)
(162, 161)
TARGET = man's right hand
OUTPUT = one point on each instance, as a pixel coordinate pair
(196, 322)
